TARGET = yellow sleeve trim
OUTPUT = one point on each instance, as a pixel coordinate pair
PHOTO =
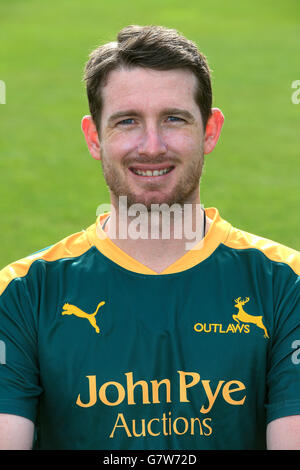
(69, 247)
(274, 251)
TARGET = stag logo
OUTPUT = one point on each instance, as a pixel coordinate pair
(69, 309)
(244, 317)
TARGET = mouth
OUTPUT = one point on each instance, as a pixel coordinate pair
(151, 172)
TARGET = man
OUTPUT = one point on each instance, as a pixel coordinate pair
(120, 338)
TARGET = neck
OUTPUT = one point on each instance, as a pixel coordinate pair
(157, 238)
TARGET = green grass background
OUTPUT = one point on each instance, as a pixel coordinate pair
(50, 186)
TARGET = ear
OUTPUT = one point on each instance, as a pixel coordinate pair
(213, 130)
(91, 136)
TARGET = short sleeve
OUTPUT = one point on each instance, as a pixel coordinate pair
(19, 371)
(283, 381)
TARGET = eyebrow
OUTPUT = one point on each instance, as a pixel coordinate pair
(121, 114)
(182, 112)
(167, 111)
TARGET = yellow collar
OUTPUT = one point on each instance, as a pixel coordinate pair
(217, 233)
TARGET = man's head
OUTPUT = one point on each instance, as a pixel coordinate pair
(151, 118)
(151, 47)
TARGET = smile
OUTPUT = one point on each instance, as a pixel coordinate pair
(148, 172)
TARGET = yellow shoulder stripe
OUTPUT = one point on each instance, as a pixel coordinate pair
(69, 247)
(274, 251)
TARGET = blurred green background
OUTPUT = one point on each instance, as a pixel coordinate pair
(51, 187)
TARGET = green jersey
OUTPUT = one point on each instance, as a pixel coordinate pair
(101, 352)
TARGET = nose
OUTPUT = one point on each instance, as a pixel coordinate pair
(152, 143)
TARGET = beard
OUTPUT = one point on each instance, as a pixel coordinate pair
(185, 190)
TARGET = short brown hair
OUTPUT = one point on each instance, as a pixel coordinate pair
(153, 47)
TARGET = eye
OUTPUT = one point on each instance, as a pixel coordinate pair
(126, 122)
(175, 119)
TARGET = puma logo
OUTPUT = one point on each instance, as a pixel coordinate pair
(246, 318)
(69, 309)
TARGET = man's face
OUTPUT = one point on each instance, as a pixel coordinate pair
(151, 136)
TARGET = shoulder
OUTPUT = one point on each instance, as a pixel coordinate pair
(71, 246)
(276, 252)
